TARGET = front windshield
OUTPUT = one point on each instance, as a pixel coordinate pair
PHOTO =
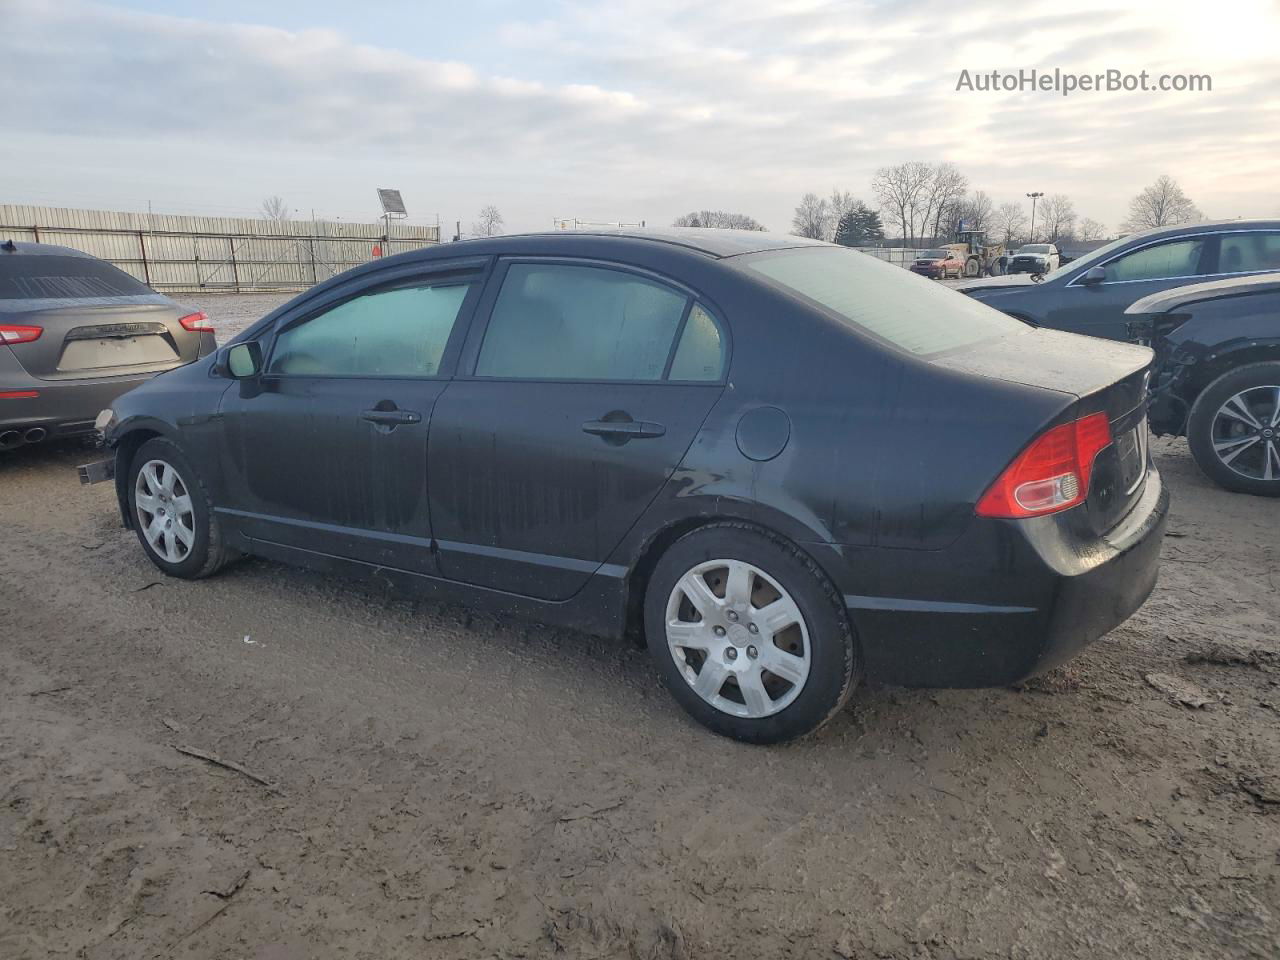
(934, 255)
(1088, 259)
(1034, 248)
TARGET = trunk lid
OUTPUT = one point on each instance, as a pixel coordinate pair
(89, 339)
(1102, 376)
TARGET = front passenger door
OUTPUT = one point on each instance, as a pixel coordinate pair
(1098, 309)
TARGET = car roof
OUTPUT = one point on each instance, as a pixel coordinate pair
(26, 248)
(1166, 300)
(1205, 226)
(711, 241)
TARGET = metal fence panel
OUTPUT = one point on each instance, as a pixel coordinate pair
(186, 253)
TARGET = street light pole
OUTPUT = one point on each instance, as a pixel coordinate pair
(1034, 197)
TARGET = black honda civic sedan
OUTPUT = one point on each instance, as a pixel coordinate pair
(783, 464)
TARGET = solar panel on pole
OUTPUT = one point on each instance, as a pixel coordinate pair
(392, 202)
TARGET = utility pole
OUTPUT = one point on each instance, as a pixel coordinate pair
(1034, 197)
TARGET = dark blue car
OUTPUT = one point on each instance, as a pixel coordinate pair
(1090, 295)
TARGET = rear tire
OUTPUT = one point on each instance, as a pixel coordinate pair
(1234, 430)
(972, 268)
(172, 513)
(726, 606)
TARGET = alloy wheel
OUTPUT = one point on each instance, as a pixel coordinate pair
(738, 638)
(165, 516)
(1246, 433)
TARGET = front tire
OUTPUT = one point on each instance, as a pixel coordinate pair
(172, 513)
(1234, 430)
(749, 635)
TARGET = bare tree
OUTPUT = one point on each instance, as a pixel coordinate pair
(945, 192)
(811, 217)
(718, 218)
(977, 211)
(900, 190)
(1091, 230)
(1058, 214)
(1160, 205)
(840, 204)
(1008, 222)
(489, 223)
(274, 208)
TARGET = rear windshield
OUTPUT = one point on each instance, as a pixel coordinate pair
(891, 303)
(40, 277)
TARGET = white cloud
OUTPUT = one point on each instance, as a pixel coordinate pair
(638, 109)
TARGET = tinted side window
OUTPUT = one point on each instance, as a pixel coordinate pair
(1178, 258)
(389, 333)
(1243, 252)
(700, 355)
(558, 322)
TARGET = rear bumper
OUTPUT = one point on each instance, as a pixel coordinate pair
(1020, 597)
(66, 407)
(62, 407)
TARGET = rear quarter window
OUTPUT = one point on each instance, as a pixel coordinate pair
(892, 304)
(43, 277)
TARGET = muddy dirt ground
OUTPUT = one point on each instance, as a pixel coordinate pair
(419, 781)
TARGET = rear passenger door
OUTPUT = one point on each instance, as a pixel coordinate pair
(574, 404)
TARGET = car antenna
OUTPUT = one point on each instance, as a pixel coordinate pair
(8, 246)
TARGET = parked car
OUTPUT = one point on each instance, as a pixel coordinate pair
(1034, 258)
(784, 464)
(938, 264)
(1090, 295)
(1217, 375)
(75, 333)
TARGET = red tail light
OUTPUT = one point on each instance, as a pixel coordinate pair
(1050, 475)
(13, 333)
(197, 322)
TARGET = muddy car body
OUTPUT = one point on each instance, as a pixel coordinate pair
(75, 333)
(772, 438)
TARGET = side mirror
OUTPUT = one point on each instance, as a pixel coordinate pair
(244, 360)
(1093, 276)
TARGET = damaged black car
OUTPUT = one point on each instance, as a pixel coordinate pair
(1216, 379)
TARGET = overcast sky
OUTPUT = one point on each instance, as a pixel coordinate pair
(624, 110)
